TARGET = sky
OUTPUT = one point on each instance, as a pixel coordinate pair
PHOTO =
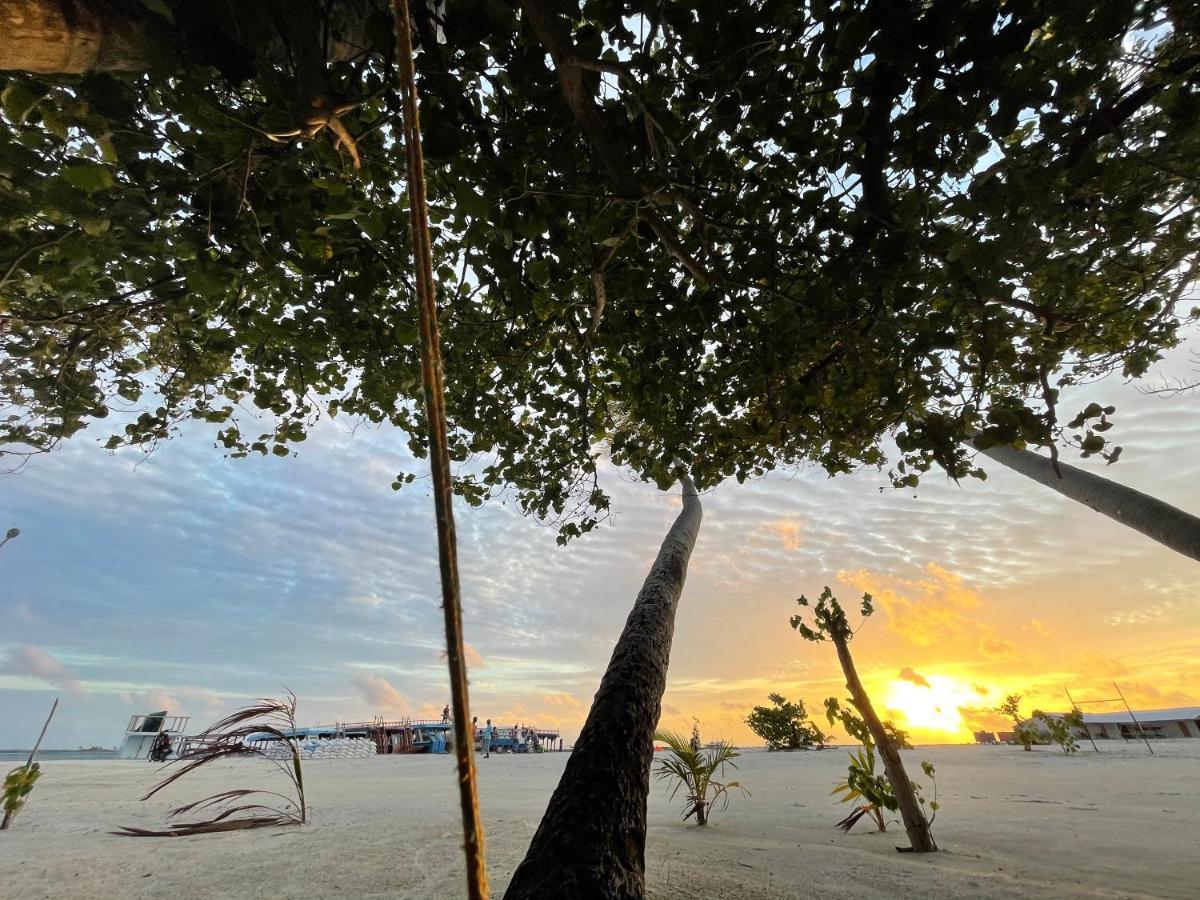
(194, 583)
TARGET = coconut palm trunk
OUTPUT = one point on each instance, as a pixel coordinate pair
(1162, 522)
(591, 842)
(915, 824)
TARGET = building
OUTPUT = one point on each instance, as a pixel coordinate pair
(1180, 722)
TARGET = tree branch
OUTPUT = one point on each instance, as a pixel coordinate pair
(552, 33)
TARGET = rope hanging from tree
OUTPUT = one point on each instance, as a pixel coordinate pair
(439, 459)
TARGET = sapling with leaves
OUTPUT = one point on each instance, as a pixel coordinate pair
(228, 738)
(829, 624)
(696, 771)
(1061, 728)
(1011, 707)
(18, 784)
(862, 782)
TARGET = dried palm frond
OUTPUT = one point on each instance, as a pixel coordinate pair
(227, 738)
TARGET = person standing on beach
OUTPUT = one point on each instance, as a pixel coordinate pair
(487, 739)
(474, 732)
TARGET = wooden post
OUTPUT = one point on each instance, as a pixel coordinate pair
(439, 457)
(1086, 730)
(1141, 731)
(37, 746)
(915, 824)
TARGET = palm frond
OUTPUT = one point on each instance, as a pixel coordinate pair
(696, 771)
(226, 738)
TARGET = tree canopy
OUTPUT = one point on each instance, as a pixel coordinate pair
(784, 725)
(726, 238)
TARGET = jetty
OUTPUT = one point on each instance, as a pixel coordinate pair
(387, 736)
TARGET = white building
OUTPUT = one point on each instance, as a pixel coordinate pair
(1181, 722)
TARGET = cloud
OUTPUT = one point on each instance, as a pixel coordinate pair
(983, 718)
(36, 662)
(997, 648)
(562, 701)
(788, 531)
(907, 674)
(194, 702)
(474, 658)
(1092, 664)
(1147, 614)
(380, 693)
(929, 611)
(1038, 627)
(24, 614)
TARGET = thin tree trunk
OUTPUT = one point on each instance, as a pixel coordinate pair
(1162, 522)
(591, 843)
(915, 824)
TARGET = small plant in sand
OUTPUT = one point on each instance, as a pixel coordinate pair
(696, 772)
(785, 725)
(17, 786)
(19, 782)
(227, 738)
(863, 782)
(1061, 729)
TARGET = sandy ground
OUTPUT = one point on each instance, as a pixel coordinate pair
(1012, 824)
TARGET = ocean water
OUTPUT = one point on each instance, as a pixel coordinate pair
(20, 756)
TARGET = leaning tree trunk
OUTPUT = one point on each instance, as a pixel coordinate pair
(591, 843)
(1169, 525)
(919, 835)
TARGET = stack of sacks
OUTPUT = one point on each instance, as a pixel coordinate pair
(334, 748)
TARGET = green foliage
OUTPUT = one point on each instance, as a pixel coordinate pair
(828, 617)
(865, 784)
(18, 785)
(696, 772)
(875, 791)
(945, 215)
(854, 726)
(1061, 728)
(1025, 734)
(785, 725)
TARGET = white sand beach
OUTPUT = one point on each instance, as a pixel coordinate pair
(1012, 824)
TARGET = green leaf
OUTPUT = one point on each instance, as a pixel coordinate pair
(88, 176)
(17, 100)
(539, 271)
